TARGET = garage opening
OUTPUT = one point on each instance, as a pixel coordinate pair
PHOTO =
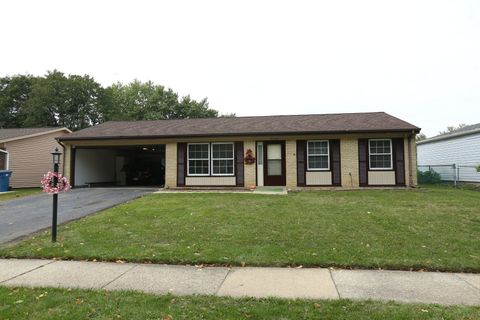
(119, 166)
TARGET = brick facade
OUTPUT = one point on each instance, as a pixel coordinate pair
(171, 164)
(250, 169)
(349, 162)
(291, 163)
(348, 155)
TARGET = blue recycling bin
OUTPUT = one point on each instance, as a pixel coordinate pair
(5, 180)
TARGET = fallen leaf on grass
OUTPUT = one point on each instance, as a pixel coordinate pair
(18, 301)
(41, 296)
(168, 317)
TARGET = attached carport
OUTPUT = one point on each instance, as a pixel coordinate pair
(134, 165)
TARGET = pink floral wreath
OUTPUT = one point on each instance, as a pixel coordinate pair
(62, 183)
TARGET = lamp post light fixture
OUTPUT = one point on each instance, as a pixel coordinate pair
(56, 162)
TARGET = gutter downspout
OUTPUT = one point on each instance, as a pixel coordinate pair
(8, 158)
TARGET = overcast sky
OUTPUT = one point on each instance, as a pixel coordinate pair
(417, 60)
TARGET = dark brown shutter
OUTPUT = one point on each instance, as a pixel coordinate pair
(398, 161)
(239, 163)
(301, 165)
(363, 162)
(181, 165)
(335, 162)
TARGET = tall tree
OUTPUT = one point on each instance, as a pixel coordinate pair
(81, 106)
(58, 100)
(77, 102)
(148, 101)
(14, 92)
(46, 99)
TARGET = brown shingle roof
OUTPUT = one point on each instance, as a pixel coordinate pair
(12, 133)
(263, 125)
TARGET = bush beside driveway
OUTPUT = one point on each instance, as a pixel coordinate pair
(434, 228)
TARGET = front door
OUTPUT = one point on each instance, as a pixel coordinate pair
(274, 163)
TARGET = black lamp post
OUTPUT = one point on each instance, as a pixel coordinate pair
(56, 162)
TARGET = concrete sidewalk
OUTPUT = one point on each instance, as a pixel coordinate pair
(313, 283)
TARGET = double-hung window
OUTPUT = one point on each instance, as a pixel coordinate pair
(205, 159)
(380, 154)
(222, 158)
(318, 156)
(198, 159)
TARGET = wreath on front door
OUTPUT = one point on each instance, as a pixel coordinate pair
(249, 158)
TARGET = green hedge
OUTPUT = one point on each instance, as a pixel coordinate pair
(428, 177)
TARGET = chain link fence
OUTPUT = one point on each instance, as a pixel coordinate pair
(453, 172)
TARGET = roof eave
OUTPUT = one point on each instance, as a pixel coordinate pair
(35, 134)
(448, 136)
(70, 138)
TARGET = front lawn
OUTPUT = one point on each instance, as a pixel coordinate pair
(48, 303)
(17, 193)
(435, 228)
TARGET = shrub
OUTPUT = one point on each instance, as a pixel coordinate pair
(428, 177)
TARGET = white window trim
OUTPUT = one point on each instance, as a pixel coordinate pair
(232, 158)
(188, 161)
(318, 154)
(380, 154)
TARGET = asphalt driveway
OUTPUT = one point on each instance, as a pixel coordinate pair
(22, 216)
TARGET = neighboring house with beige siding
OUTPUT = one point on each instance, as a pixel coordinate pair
(350, 150)
(27, 153)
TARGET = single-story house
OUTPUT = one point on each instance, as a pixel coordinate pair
(454, 155)
(27, 153)
(348, 150)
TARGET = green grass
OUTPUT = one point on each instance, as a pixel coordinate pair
(17, 193)
(47, 303)
(434, 228)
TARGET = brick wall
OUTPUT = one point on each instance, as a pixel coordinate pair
(291, 163)
(250, 169)
(171, 165)
(348, 153)
(349, 162)
(413, 160)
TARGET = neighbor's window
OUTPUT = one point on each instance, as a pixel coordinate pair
(198, 159)
(380, 154)
(222, 158)
(318, 157)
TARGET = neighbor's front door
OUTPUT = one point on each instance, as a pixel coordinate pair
(274, 163)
